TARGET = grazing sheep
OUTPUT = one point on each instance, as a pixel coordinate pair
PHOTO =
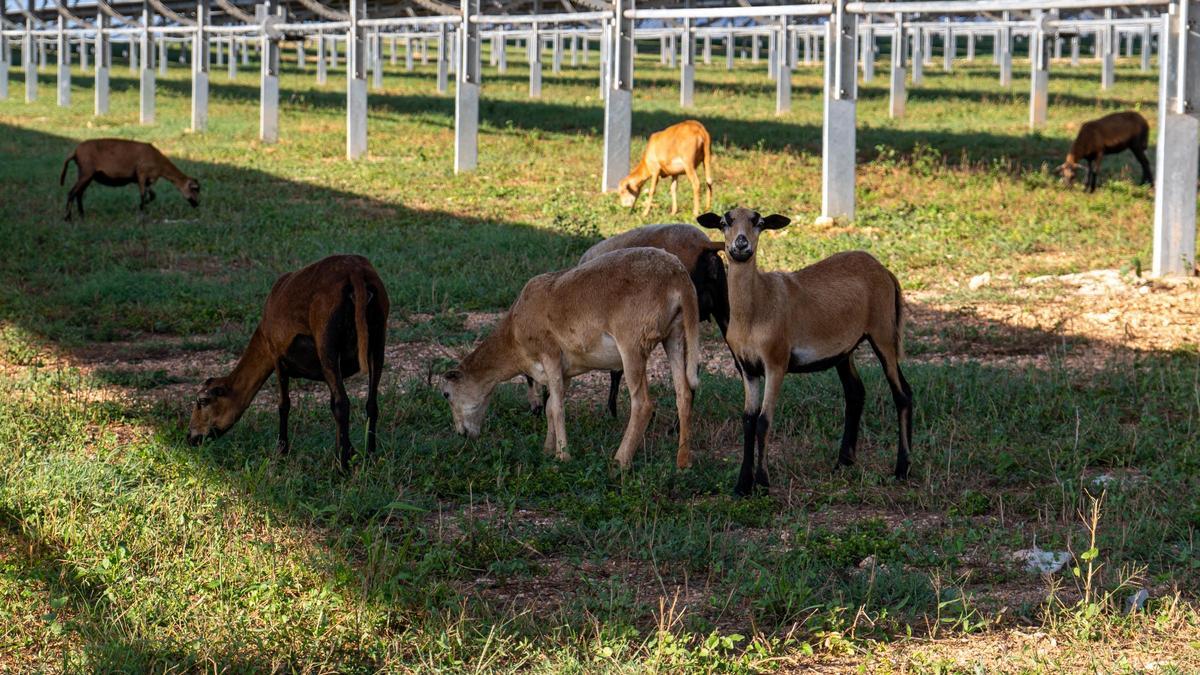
(670, 152)
(1107, 136)
(324, 322)
(116, 162)
(699, 256)
(803, 322)
(606, 314)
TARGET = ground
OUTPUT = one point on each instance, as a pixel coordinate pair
(1057, 398)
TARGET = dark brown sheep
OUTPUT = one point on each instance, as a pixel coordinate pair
(1107, 136)
(324, 322)
(116, 162)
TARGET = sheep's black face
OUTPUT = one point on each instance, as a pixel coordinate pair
(741, 228)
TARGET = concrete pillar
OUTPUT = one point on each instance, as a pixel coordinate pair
(245, 49)
(1108, 58)
(29, 59)
(867, 49)
(443, 59)
(949, 47)
(838, 142)
(200, 68)
(1178, 146)
(301, 61)
(783, 70)
(83, 55)
(1039, 75)
(662, 50)
(671, 47)
(618, 104)
(146, 96)
(1147, 38)
(556, 52)
(376, 52)
(1075, 52)
(392, 50)
(918, 58)
(63, 57)
(502, 57)
(333, 51)
(162, 56)
(729, 50)
(103, 62)
(927, 50)
(356, 81)
(707, 49)
(754, 48)
(424, 51)
(535, 62)
(899, 97)
(574, 49)
(232, 65)
(466, 93)
(772, 59)
(1006, 52)
(268, 117)
(687, 65)
(584, 47)
(971, 46)
(322, 56)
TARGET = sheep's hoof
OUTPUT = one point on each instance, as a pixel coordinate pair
(760, 479)
(902, 472)
(562, 456)
(683, 462)
(282, 447)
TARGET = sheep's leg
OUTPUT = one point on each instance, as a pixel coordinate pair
(375, 346)
(774, 381)
(76, 193)
(1140, 153)
(143, 190)
(633, 362)
(708, 182)
(614, 390)
(677, 356)
(650, 195)
(856, 395)
(674, 195)
(339, 402)
(556, 427)
(285, 406)
(902, 396)
(750, 412)
(695, 181)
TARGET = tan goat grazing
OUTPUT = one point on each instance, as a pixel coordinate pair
(324, 322)
(116, 162)
(700, 258)
(607, 314)
(1107, 136)
(670, 152)
(803, 322)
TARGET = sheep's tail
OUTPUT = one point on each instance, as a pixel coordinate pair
(708, 168)
(899, 316)
(62, 178)
(691, 333)
(360, 321)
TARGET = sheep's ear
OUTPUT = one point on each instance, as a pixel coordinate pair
(710, 220)
(774, 222)
(218, 391)
(453, 375)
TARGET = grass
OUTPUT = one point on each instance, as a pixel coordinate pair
(122, 548)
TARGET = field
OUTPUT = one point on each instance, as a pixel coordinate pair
(1057, 397)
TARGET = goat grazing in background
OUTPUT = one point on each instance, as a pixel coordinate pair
(606, 314)
(803, 322)
(1107, 136)
(670, 152)
(700, 258)
(116, 162)
(324, 322)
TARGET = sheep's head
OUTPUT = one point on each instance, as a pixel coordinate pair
(468, 402)
(1067, 170)
(215, 411)
(741, 228)
(628, 191)
(191, 192)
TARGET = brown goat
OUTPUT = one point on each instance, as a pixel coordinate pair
(116, 162)
(670, 152)
(699, 256)
(1107, 136)
(803, 322)
(606, 314)
(324, 322)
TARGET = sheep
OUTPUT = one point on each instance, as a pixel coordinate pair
(606, 314)
(116, 162)
(670, 152)
(324, 322)
(807, 321)
(699, 256)
(1108, 135)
